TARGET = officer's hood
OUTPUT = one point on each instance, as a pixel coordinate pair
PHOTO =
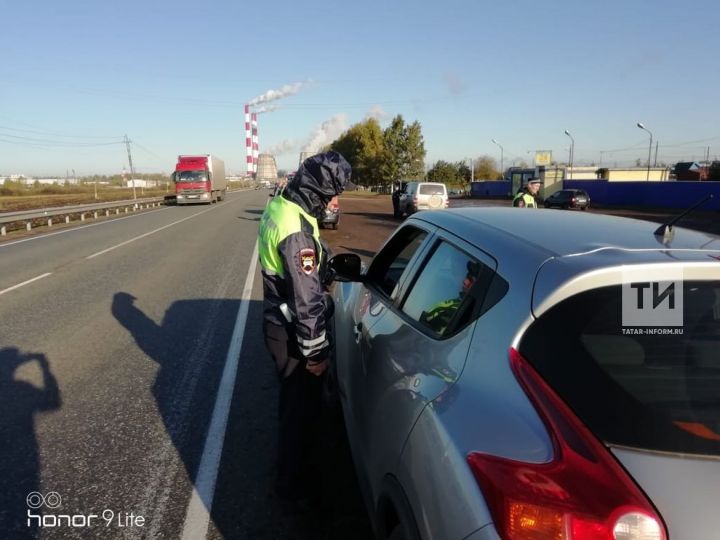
(319, 179)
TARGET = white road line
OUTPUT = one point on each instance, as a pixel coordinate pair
(197, 516)
(25, 282)
(40, 237)
(126, 242)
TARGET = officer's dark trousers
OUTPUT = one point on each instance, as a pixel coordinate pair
(299, 415)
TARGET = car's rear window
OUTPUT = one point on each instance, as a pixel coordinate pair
(657, 391)
(432, 189)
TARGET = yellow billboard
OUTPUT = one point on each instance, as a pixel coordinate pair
(543, 157)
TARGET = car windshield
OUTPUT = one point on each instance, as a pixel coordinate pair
(432, 189)
(655, 391)
(191, 176)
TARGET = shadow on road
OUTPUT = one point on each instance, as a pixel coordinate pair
(20, 400)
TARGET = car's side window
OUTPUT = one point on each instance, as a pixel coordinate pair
(391, 263)
(443, 290)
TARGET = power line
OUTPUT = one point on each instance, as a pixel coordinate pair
(56, 134)
(146, 150)
(50, 142)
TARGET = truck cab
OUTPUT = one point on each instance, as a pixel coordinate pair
(199, 179)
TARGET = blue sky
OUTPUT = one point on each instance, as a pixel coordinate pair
(174, 76)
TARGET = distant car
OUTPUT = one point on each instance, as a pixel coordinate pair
(422, 196)
(568, 198)
(331, 217)
(492, 388)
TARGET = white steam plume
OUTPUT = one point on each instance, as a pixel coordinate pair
(272, 95)
(265, 109)
(282, 148)
(376, 112)
(326, 133)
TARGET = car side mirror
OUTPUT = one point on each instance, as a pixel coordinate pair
(346, 267)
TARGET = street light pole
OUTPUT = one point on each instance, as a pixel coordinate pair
(641, 126)
(502, 169)
(572, 151)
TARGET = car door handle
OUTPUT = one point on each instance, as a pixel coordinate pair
(357, 330)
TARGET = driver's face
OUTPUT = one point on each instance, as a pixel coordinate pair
(467, 283)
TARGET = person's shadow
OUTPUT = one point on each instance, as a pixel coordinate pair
(187, 348)
(190, 348)
(20, 467)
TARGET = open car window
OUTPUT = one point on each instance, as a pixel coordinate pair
(451, 289)
(391, 264)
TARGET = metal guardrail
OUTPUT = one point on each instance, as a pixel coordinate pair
(93, 209)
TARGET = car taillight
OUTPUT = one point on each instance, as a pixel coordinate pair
(581, 494)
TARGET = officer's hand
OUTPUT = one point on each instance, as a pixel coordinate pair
(317, 368)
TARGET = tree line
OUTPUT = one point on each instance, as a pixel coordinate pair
(381, 157)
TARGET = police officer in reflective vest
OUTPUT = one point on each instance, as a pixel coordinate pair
(297, 309)
(526, 197)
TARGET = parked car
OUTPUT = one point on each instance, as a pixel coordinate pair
(568, 198)
(422, 196)
(331, 217)
(491, 387)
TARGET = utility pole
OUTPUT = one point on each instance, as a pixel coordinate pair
(656, 149)
(642, 126)
(132, 171)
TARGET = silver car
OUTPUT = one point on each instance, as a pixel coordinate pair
(509, 374)
(422, 196)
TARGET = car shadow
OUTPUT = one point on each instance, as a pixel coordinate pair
(20, 402)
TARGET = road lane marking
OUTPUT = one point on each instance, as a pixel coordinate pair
(25, 282)
(197, 516)
(73, 229)
(126, 242)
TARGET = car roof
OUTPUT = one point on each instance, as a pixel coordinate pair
(550, 255)
(561, 233)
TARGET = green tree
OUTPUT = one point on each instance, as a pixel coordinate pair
(414, 152)
(404, 155)
(445, 173)
(486, 169)
(381, 157)
(362, 145)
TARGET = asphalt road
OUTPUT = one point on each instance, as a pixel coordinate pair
(114, 340)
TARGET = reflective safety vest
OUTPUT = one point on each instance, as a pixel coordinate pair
(281, 219)
(528, 199)
(439, 316)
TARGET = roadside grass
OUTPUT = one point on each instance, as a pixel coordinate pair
(60, 196)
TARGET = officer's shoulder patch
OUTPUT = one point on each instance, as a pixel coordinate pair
(307, 260)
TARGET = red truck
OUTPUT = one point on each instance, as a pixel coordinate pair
(199, 179)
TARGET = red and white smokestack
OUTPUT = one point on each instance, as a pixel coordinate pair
(248, 143)
(254, 142)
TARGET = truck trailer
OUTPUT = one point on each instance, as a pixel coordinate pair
(199, 179)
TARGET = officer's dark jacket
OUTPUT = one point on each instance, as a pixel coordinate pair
(291, 253)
